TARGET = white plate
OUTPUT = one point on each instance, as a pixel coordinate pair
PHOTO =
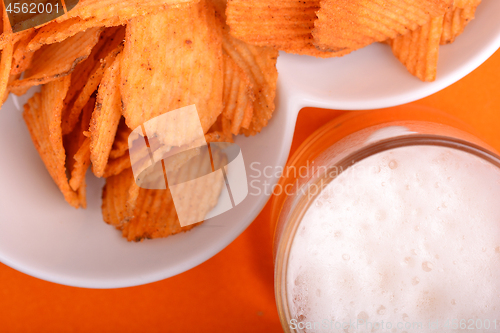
(42, 236)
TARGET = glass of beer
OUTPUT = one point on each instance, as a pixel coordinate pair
(389, 221)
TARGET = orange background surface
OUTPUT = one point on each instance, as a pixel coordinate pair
(233, 291)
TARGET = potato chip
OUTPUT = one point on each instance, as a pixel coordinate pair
(259, 64)
(247, 118)
(156, 216)
(72, 114)
(82, 159)
(238, 95)
(133, 195)
(456, 20)
(42, 115)
(118, 198)
(56, 32)
(123, 9)
(284, 25)
(120, 145)
(22, 57)
(171, 60)
(105, 118)
(57, 60)
(117, 165)
(353, 24)
(418, 50)
(108, 40)
(197, 185)
(74, 140)
(76, 145)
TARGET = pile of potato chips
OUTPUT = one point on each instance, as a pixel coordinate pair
(108, 66)
(333, 28)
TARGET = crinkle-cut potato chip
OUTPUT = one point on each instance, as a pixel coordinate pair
(74, 140)
(105, 118)
(22, 57)
(56, 32)
(82, 194)
(155, 214)
(285, 25)
(54, 61)
(82, 162)
(154, 217)
(238, 95)
(123, 9)
(196, 186)
(79, 78)
(77, 146)
(259, 64)
(418, 50)
(171, 60)
(353, 24)
(118, 198)
(108, 40)
(120, 145)
(42, 115)
(72, 114)
(117, 165)
(456, 20)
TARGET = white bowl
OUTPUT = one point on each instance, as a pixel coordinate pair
(42, 236)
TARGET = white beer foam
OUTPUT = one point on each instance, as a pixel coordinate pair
(409, 235)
